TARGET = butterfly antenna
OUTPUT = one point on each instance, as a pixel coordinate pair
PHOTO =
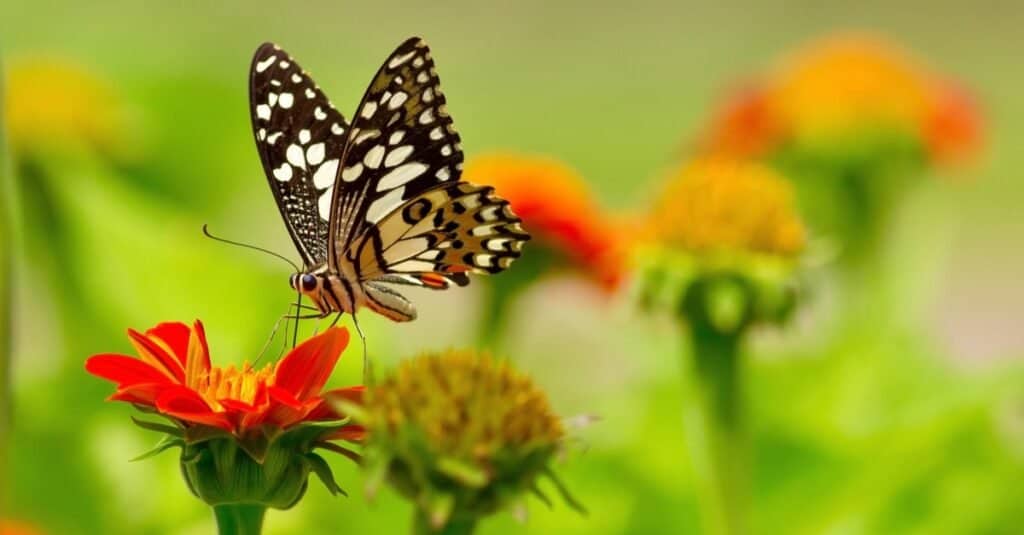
(367, 368)
(206, 231)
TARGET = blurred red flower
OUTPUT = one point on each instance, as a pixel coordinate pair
(11, 527)
(173, 375)
(558, 209)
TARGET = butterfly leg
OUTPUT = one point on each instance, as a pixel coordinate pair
(277, 325)
(367, 367)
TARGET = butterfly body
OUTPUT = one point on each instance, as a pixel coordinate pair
(377, 202)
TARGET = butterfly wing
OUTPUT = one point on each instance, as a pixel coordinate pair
(300, 138)
(401, 145)
(437, 238)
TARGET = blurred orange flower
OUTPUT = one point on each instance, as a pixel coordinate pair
(841, 87)
(725, 205)
(173, 375)
(558, 209)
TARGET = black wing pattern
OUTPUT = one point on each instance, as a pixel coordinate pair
(300, 138)
(437, 238)
(400, 213)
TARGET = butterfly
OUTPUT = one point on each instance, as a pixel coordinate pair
(376, 202)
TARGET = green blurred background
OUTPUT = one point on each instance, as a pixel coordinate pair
(906, 418)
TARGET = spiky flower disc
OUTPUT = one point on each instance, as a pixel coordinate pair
(461, 434)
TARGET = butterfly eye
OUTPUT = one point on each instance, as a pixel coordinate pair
(308, 282)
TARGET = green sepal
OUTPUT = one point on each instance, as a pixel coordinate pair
(323, 471)
(462, 472)
(564, 492)
(165, 443)
(160, 428)
(330, 446)
(197, 434)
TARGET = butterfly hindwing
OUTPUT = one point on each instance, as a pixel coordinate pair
(300, 138)
(401, 145)
(437, 238)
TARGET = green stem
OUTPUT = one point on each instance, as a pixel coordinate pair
(456, 525)
(239, 519)
(717, 430)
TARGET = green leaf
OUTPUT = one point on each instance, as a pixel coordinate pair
(323, 471)
(164, 444)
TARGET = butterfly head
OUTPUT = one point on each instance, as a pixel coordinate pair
(307, 283)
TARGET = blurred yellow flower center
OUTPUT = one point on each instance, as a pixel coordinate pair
(468, 406)
(720, 204)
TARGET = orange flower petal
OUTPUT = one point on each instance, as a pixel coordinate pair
(142, 393)
(304, 371)
(326, 410)
(185, 404)
(124, 370)
(157, 356)
(174, 335)
(197, 361)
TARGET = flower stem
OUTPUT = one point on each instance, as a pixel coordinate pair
(239, 518)
(456, 525)
(717, 431)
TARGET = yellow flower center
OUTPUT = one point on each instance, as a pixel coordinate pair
(718, 204)
(231, 383)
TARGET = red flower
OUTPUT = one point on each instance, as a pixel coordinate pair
(173, 375)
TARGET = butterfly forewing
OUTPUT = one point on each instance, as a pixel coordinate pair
(300, 138)
(401, 145)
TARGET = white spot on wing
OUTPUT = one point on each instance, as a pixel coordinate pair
(284, 64)
(401, 175)
(262, 66)
(309, 93)
(385, 205)
(396, 137)
(363, 136)
(286, 100)
(443, 174)
(304, 136)
(418, 62)
(437, 133)
(337, 129)
(319, 114)
(422, 77)
(397, 155)
(374, 156)
(294, 155)
(272, 99)
(497, 244)
(428, 95)
(446, 150)
(296, 78)
(397, 100)
(352, 172)
(315, 153)
(272, 138)
(283, 173)
(413, 266)
(324, 175)
(324, 204)
(368, 110)
(398, 60)
(263, 112)
(426, 117)
(262, 134)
